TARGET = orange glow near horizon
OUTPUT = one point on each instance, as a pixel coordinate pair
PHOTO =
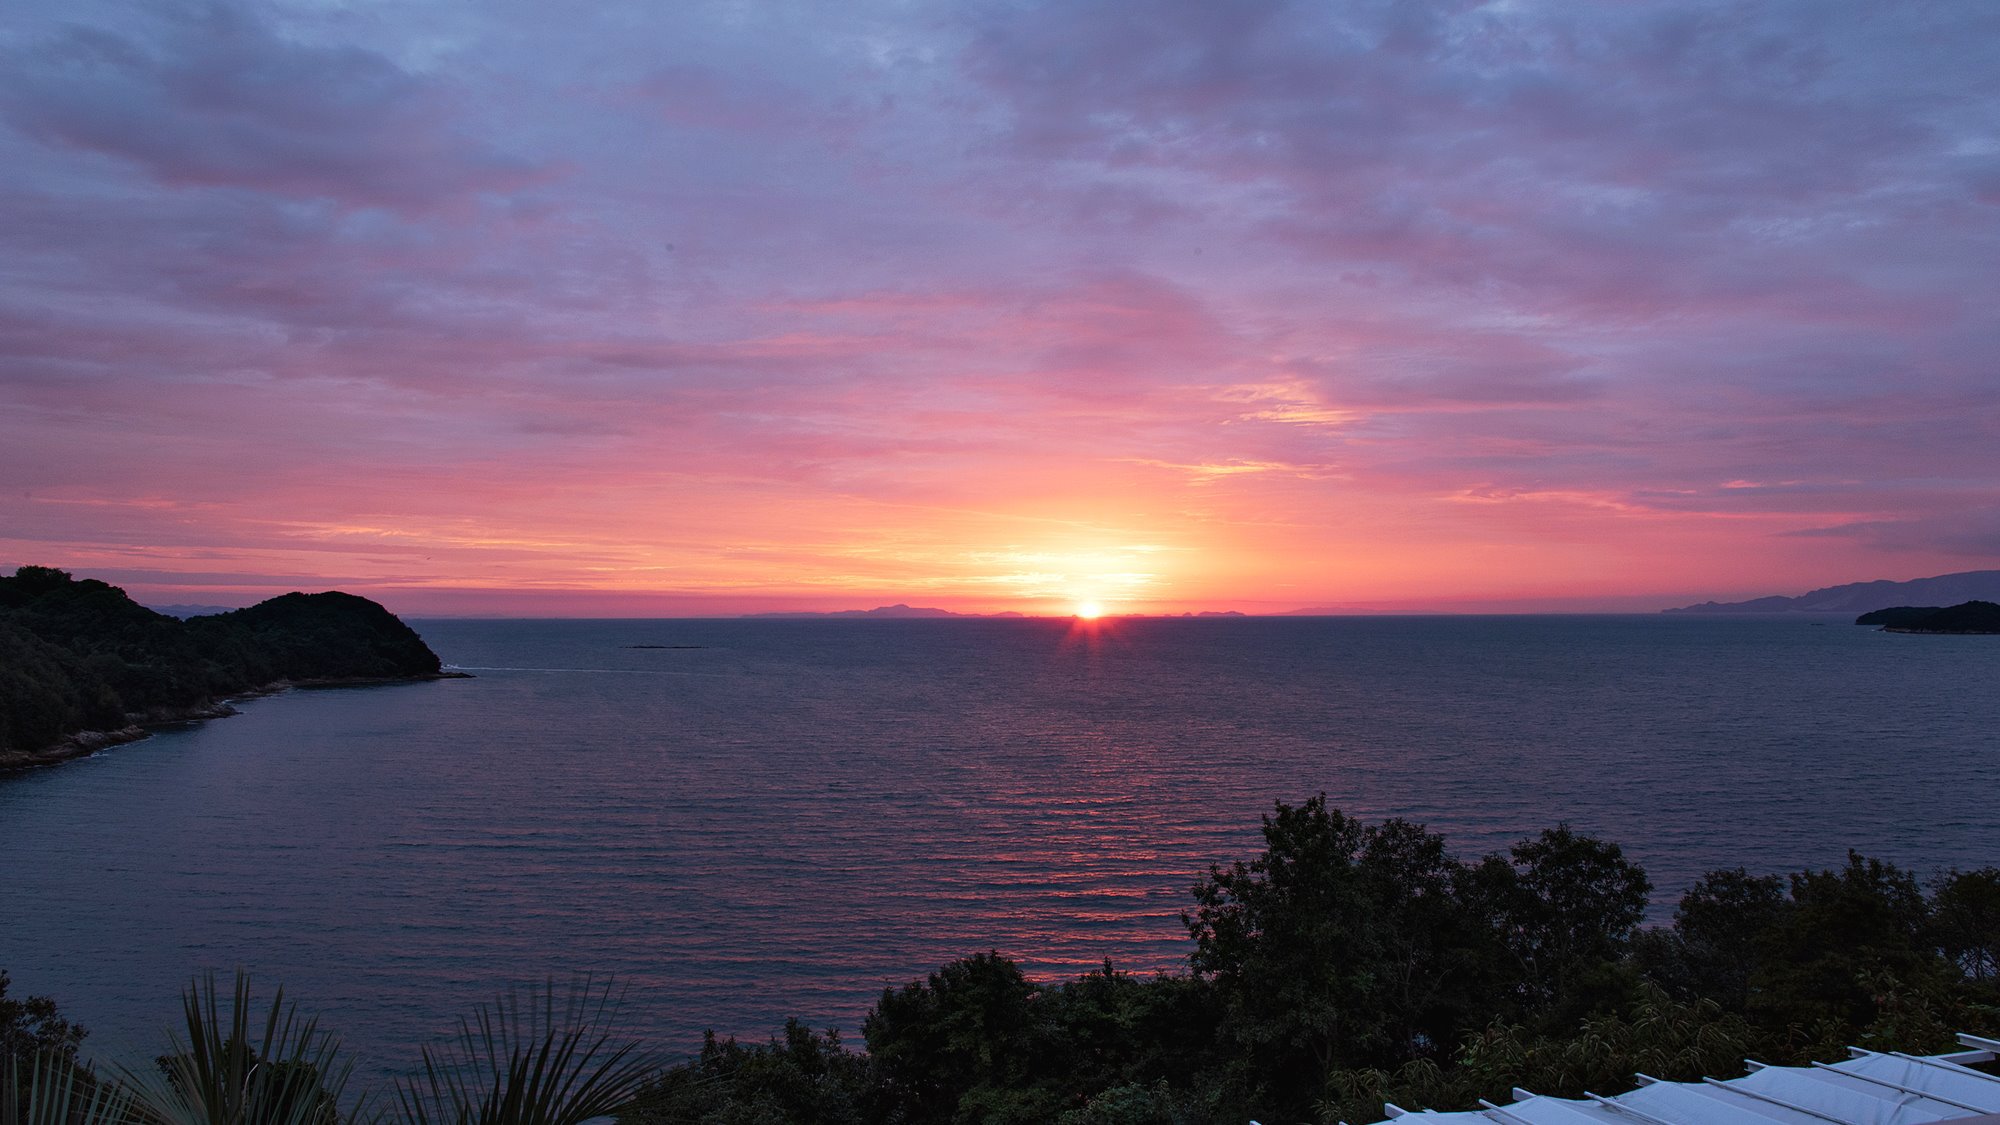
(1235, 543)
(797, 321)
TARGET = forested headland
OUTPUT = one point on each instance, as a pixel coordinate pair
(1346, 965)
(82, 665)
(1966, 617)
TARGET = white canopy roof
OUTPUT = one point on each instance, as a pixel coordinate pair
(1870, 1088)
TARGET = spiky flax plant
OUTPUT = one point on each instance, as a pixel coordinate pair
(219, 1075)
(50, 1089)
(539, 1063)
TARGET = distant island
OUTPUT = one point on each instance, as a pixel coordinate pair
(185, 611)
(1866, 597)
(83, 666)
(1974, 617)
(907, 612)
(897, 610)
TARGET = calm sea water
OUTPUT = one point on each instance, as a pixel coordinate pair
(790, 815)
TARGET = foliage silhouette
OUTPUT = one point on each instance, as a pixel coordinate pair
(50, 1089)
(1345, 965)
(535, 1064)
(290, 1074)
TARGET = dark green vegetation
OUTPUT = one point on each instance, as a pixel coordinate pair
(79, 656)
(1351, 964)
(1898, 615)
(545, 1062)
(1966, 617)
(33, 1028)
(1347, 965)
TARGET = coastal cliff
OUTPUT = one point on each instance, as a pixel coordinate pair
(83, 666)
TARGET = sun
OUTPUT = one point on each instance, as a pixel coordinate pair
(1089, 611)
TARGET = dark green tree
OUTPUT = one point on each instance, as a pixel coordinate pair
(1965, 921)
(1718, 922)
(965, 1045)
(31, 1028)
(1341, 945)
(1849, 936)
(800, 1078)
(1569, 905)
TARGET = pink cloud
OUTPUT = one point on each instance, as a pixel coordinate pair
(1335, 300)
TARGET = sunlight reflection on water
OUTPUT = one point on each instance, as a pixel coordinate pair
(797, 813)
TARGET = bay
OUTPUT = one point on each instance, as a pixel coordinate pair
(769, 818)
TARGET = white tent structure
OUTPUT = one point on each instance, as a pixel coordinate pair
(1870, 1088)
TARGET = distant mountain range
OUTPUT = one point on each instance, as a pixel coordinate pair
(187, 611)
(897, 610)
(1866, 597)
(901, 610)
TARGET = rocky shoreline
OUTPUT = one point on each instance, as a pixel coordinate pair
(140, 725)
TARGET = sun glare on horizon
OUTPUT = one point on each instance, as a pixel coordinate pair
(1089, 611)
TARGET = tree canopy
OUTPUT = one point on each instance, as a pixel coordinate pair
(1349, 963)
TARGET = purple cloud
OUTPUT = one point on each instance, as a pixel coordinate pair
(1648, 278)
(210, 96)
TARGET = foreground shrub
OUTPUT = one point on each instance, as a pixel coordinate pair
(291, 1074)
(533, 1064)
(802, 1078)
(1345, 966)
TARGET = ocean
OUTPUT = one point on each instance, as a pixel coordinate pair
(771, 818)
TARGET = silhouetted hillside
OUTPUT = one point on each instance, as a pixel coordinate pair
(1897, 615)
(78, 656)
(1865, 597)
(315, 637)
(1969, 617)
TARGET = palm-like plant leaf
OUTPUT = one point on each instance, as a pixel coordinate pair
(52, 1090)
(292, 1075)
(532, 1065)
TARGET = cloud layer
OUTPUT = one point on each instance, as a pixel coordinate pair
(689, 308)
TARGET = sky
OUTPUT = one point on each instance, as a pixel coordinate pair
(686, 308)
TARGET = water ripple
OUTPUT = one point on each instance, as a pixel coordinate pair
(795, 815)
